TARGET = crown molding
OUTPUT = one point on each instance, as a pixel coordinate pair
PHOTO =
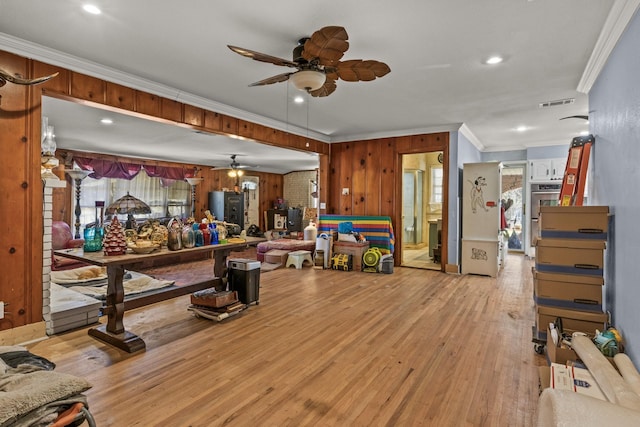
(79, 65)
(619, 17)
(452, 127)
(466, 132)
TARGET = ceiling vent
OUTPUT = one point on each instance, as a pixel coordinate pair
(557, 103)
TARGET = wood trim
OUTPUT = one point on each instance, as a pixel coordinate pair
(452, 268)
(423, 144)
(66, 156)
(26, 334)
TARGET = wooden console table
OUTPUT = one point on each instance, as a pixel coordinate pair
(113, 332)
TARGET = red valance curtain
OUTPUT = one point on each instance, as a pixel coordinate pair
(102, 168)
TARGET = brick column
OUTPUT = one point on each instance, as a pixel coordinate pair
(47, 215)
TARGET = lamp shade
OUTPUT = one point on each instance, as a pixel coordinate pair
(308, 80)
(128, 205)
(77, 173)
(194, 180)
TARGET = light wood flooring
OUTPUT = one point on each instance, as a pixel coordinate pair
(325, 348)
(419, 258)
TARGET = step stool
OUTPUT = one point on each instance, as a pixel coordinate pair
(298, 258)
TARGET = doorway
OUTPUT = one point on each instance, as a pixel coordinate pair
(422, 192)
(512, 199)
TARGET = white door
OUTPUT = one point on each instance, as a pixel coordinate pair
(251, 189)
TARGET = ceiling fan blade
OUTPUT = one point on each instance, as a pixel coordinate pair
(262, 57)
(360, 70)
(275, 79)
(576, 117)
(328, 44)
(327, 88)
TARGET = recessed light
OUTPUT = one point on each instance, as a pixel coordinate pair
(92, 9)
(106, 121)
(493, 60)
(521, 128)
(298, 99)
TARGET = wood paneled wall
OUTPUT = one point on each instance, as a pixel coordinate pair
(371, 172)
(213, 180)
(369, 169)
(21, 198)
(21, 190)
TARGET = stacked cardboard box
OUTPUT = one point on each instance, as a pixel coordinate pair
(568, 273)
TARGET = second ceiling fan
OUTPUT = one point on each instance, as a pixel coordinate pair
(318, 64)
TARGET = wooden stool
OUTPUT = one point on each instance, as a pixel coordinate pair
(298, 258)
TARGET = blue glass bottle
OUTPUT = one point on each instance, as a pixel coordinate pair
(199, 235)
(214, 235)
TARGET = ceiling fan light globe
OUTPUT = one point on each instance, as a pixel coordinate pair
(308, 80)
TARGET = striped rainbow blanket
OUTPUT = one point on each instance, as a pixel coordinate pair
(378, 230)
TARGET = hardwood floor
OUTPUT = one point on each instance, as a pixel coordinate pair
(325, 348)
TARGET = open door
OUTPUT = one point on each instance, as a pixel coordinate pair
(422, 192)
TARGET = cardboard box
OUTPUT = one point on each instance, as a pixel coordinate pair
(574, 379)
(276, 256)
(577, 292)
(572, 320)
(214, 299)
(355, 249)
(544, 378)
(559, 353)
(570, 256)
(574, 222)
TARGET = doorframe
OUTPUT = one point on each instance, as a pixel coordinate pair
(525, 199)
(431, 145)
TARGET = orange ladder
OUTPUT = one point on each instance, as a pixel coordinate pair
(575, 173)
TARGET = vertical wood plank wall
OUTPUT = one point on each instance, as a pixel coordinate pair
(20, 203)
(371, 171)
(21, 189)
(213, 180)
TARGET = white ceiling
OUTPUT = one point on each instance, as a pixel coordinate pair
(435, 49)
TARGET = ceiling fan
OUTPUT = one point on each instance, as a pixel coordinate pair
(317, 60)
(235, 168)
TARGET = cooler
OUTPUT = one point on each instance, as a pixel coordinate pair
(243, 276)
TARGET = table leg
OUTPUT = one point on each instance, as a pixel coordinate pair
(113, 332)
(220, 264)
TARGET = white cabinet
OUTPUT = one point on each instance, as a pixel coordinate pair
(480, 257)
(545, 170)
(481, 218)
(540, 170)
(557, 168)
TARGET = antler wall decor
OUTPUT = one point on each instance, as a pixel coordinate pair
(6, 77)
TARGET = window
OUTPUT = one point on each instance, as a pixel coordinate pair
(173, 200)
(436, 185)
